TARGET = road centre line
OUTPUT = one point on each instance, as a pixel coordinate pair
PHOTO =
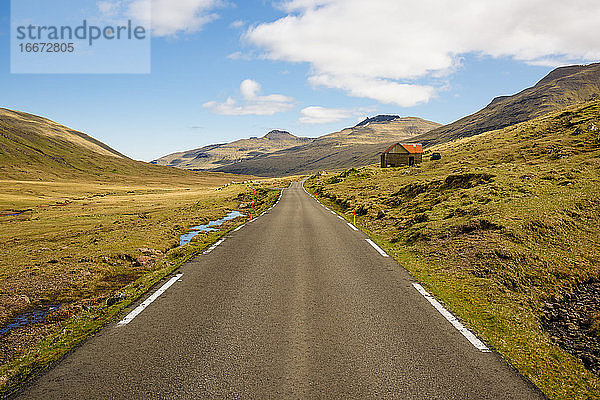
(383, 253)
(149, 301)
(479, 345)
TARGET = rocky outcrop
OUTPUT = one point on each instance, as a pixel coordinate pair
(573, 322)
(378, 119)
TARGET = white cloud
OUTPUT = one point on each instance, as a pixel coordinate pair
(386, 49)
(238, 55)
(237, 24)
(382, 90)
(323, 115)
(252, 102)
(249, 89)
(167, 17)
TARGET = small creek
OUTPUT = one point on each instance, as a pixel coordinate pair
(12, 214)
(210, 227)
(27, 318)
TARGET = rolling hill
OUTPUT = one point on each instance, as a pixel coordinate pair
(36, 148)
(351, 147)
(562, 87)
(280, 153)
(219, 155)
(361, 144)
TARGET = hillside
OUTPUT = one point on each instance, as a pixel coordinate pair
(36, 148)
(504, 230)
(84, 231)
(560, 88)
(350, 147)
(219, 155)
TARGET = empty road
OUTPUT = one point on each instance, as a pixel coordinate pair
(294, 305)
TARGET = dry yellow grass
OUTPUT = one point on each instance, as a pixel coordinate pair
(78, 243)
(505, 222)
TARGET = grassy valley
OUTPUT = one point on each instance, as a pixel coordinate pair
(85, 231)
(504, 230)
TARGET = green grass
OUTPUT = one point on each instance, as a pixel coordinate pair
(93, 226)
(504, 222)
(86, 251)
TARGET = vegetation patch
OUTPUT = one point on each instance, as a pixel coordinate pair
(504, 230)
(88, 249)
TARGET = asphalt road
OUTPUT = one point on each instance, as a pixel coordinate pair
(294, 305)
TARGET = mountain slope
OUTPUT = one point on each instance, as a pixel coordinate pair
(36, 148)
(350, 147)
(560, 88)
(218, 155)
(504, 230)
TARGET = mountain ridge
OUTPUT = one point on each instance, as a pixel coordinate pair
(377, 119)
(563, 86)
(35, 123)
(37, 148)
(213, 156)
(350, 147)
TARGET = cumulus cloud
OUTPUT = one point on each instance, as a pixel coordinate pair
(386, 49)
(167, 17)
(252, 102)
(323, 115)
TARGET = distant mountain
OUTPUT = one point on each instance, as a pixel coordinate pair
(378, 119)
(560, 88)
(221, 155)
(36, 148)
(350, 147)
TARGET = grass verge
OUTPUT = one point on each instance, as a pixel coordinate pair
(504, 225)
(94, 248)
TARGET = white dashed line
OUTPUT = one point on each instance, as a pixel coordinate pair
(149, 300)
(352, 226)
(342, 218)
(479, 345)
(383, 253)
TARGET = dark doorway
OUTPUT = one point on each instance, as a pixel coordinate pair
(411, 161)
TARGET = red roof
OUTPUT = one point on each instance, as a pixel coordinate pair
(412, 148)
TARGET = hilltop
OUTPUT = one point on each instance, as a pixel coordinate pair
(220, 155)
(377, 119)
(279, 153)
(562, 87)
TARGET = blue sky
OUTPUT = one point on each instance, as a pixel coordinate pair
(290, 61)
